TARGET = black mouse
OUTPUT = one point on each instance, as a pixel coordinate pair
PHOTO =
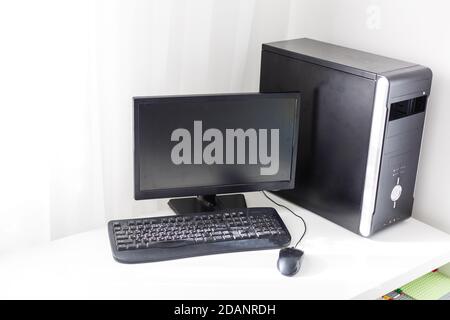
(289, 261)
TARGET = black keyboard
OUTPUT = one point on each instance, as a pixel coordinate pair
(197, 234)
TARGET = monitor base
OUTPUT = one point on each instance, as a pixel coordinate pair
(207, 203)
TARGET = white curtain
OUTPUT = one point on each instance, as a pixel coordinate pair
(68, 72)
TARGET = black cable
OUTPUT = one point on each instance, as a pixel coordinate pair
(283, 206)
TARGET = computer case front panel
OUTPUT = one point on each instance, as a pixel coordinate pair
(408, 96)
(353, 135)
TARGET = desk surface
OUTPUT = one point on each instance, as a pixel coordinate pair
(338, 265)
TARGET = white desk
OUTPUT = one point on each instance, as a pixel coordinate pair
(338, 265)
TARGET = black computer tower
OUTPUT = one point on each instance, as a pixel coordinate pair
(361, 124)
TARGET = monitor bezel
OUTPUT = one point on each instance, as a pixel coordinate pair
(217, 189)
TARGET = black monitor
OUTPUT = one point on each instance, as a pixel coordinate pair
(203, 145)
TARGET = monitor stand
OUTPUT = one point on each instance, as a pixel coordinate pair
(207, 203)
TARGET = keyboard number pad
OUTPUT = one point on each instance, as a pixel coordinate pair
(266, 226)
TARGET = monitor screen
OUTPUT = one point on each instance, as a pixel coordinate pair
(194, 145)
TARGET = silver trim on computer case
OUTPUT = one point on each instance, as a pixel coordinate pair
(374, 156)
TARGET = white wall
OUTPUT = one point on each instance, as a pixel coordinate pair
(72, 66)
(412, 30)
(68, 72)
(43, 83)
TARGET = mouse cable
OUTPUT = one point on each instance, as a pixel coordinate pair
(283, 206)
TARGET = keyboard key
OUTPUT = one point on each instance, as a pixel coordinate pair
(127, 241)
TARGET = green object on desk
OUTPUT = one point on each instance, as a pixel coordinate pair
(432, 286)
